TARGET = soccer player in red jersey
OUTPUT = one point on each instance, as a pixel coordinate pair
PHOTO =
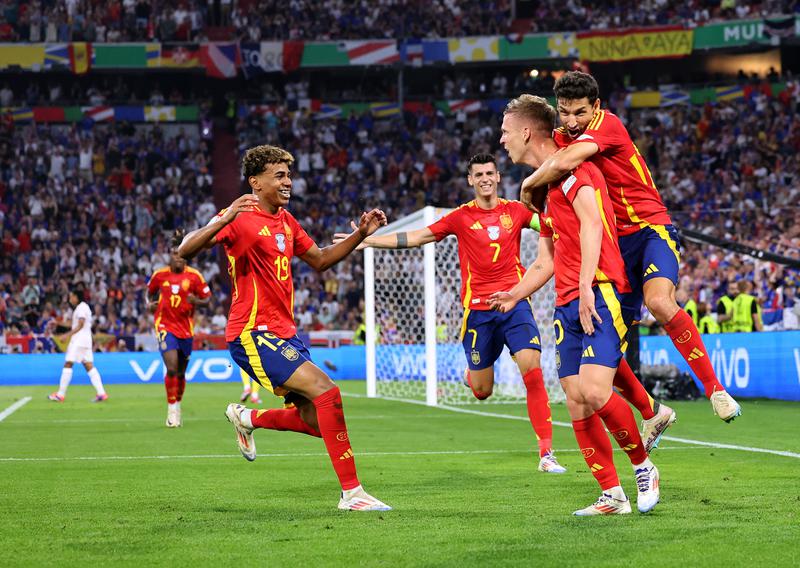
(173, 292)
(648, 241)
(489, 230)
(578, 243)
(260, 238)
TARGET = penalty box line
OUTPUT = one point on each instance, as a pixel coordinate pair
(14, 407)
(688, 441)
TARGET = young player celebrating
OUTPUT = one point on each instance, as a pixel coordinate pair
(647, 239)
(489, 230)
(260, 238)
(173, 292)
(578, 243)
(79, 350)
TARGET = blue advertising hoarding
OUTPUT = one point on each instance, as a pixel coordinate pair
(747, 364)
(346, 362)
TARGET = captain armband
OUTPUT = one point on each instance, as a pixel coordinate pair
(402, 240)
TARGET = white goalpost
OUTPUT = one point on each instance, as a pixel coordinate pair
(413, 320)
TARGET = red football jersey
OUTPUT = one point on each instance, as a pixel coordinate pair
(175, 313)
(562, 225)
(260, 247)
(488, 247)
(633, 192)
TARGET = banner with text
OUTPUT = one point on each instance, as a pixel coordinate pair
(635, 43)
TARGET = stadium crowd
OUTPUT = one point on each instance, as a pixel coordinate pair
(90, 208)
(256, 20)
(93, 205)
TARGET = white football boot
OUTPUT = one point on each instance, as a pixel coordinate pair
(724, 406)
(605, 505)
(173, 421)
(549, 464)
(244, 434)
(357, 499)
(647, 492)
(654, 428)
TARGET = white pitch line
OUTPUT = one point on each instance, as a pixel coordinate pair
(298, 455)
(14, 407)
(703, 443)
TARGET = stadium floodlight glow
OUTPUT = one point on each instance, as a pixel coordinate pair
(533, 73)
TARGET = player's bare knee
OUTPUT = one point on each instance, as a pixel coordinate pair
(68, 365)
(88, 367)
(662, 306)
(482, 393)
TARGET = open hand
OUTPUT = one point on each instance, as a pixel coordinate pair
(502, 302)
(244, 203)
(371, 221)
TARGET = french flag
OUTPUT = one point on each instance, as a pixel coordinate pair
(222, 60)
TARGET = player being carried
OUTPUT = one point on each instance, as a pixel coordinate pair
(489, 230)
(649, 243)
(172, 294)
(578, 243)
(260, 238)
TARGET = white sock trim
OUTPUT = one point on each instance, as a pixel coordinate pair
(97, 382)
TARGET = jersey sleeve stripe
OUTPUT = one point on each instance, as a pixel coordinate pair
(596, 121)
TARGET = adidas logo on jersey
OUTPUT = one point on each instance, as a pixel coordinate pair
(264, 232)
(588, 352)
(696, 354)
(476, 225)
(651, 269)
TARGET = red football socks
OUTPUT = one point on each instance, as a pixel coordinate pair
(334, 433)
(618, 418)
(181, 386)
(632, 390)
(539, 409)
(478, 395)
(686, 338)
(596, 449)
(286, 420)
(171, 385)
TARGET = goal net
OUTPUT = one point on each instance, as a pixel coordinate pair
(414, 316)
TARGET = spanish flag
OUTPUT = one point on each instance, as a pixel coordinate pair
(80, 57)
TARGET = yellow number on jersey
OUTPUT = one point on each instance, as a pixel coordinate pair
(282, 267)
(496, 247)
(174, 300)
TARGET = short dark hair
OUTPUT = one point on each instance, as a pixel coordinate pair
(177, 237)
(257, 159)
(481, 159)
(535, 109)
(575, 85)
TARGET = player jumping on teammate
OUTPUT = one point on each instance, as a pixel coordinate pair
(489, 230)
(578, 243)
(260, 238)
(649, 243)
(172, 293)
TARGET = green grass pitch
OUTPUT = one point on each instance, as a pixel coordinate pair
(109, 484)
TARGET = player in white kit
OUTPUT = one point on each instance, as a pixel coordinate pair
(79, 350)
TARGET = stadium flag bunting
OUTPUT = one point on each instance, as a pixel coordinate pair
(468, 49)
(634, 43)
(99, 113)
(48, 114)
(435, 51)
(159, 114)
(412, 52)
(23, 114)
(519, 47)
(56, 55)
(328, 111)
(371, 52)
(186, 56)
(561, 45)
(22, 56)
(221, 60)
(730, 93)
(643, 99)
(80, 57)
(384, 110)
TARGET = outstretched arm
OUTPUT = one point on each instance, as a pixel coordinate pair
(322, 259)
(398, 240)
(556, 167)
(205, 237)
(535, 277)
(591, 235)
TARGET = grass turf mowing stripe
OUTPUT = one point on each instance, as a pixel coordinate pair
(14, 407)
(703, 443)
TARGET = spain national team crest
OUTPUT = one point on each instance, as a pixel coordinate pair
(288, 230)
(175, 288)
(281, 242)
(494, 232)
(186, 284)
(290, 353)
(506, 221)
(476, 357)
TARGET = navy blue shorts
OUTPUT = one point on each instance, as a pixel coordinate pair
(267, 358)
(484, 332)
(651, 252)
(604, 347)
(167, 342)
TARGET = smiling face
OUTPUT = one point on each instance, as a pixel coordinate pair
(576, 114)
(484, 179)
(273, 186)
